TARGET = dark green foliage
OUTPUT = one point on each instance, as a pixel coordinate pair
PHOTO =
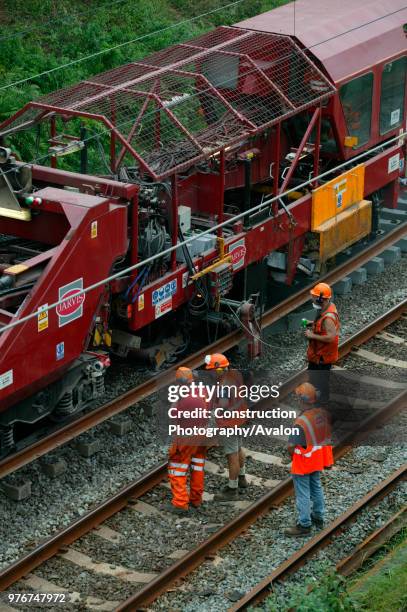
(327, 592)
(39, 35)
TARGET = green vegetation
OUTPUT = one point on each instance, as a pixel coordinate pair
(379, 586)
(383, 588)
(40, 35)
(326, 593)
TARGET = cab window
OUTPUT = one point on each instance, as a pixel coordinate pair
(392, 94)
(356, 97)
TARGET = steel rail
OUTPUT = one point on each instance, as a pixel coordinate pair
(277, 495)
(232, 530)
(99, 415)
(372, 543)
(55, 544)
(297, 559)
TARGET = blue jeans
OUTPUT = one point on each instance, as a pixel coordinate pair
(307, 488)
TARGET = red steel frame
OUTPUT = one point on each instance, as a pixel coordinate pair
(278, 231)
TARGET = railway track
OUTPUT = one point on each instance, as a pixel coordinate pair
(324, 537)
(89, 420)
(128, 500)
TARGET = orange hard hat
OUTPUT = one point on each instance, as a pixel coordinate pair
(215, 361)
(184, 375)
(306, 393)
(322, 290)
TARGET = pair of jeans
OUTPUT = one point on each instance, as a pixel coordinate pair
(308, 488)
(319, 376)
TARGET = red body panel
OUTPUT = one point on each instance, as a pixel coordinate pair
(255, 131)
(30, 354)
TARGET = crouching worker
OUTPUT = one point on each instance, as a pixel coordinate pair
(311, 453)
(187, 454)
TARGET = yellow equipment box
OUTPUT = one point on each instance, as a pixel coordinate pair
(337, 195)
(344, 229)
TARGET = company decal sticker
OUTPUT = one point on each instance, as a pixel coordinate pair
(42, 318)
(164, 292)
(6, 379)
(393, 163)
(94, 229)
(73, 307)
(163, 308)
(60, 351)
(238, 253)
(140, 302)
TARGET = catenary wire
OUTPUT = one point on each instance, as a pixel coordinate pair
(130, 121)
(120, 45)
(82, 59)
(204, 233)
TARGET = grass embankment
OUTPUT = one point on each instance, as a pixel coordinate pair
(379, 586)
(39, 35)
(383, 587)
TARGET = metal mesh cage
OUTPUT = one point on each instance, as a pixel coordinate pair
(185, 103)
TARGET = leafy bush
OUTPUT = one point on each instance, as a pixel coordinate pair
(328, 592)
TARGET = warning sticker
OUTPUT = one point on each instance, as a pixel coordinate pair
(340, 190)
(393, 163)
(60, 351)
(395, 117)
(94, 229)
(163, 308)
(6, 379)
(140, 303)
(42, 318)
(164, 292)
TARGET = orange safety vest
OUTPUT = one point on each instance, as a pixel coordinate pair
(234, 379)
(324, 352)
(186, 405)
(316, 456)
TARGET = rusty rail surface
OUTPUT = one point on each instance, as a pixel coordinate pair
(372, 543)
(301, 556)
(99, 415)
(100, 513)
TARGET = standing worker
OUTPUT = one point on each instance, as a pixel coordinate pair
(229, 381)
(310, 454)
(323, 339)
(185, 453)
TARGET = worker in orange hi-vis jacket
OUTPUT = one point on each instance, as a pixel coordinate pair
(311, 452)
(186, 454)
(323, 337)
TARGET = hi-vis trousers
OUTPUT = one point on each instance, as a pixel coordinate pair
(181, 458)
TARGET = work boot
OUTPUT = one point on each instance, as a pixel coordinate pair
(198, 506)
(243, 482)
(298, 530)
(318, 522)
(226, 494)
(169, 507)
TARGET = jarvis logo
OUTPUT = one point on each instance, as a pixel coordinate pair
(72, 308)
(238, 252)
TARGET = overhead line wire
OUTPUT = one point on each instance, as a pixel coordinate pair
(130, 121)
(120, 45)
